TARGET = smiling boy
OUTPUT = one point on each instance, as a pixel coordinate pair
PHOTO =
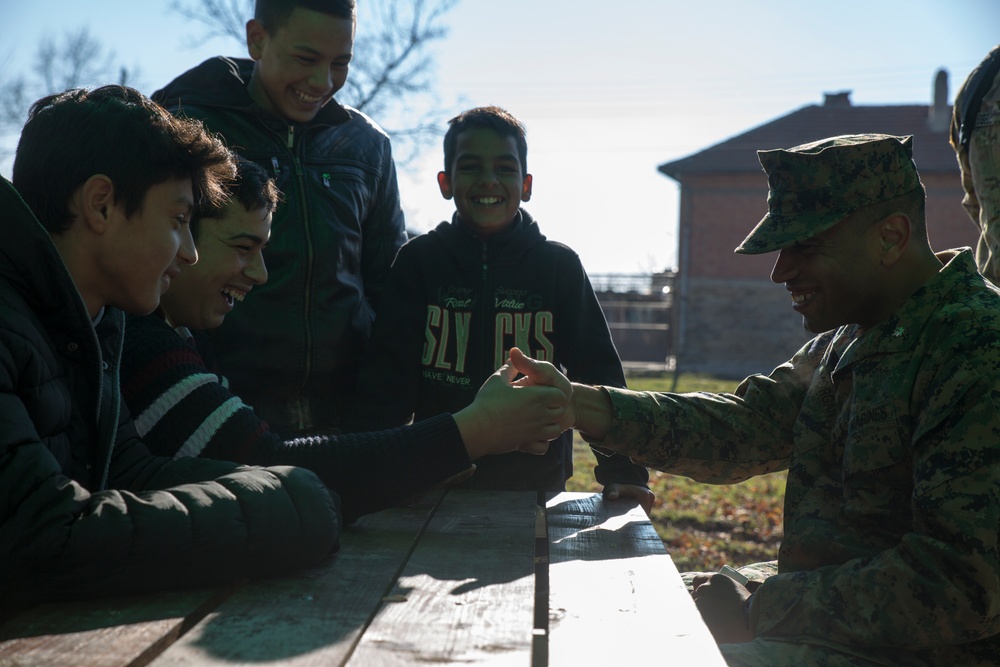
(460, 296)
(85, 509)
(230, 241)
(339, 226)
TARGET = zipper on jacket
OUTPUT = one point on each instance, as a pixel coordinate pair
(108, 425)
(300, 415)
(303, 414)
(486, 317)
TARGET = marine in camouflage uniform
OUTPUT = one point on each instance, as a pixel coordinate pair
(890, 434)
(975, 136)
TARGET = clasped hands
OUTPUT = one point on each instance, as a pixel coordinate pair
(523, 406)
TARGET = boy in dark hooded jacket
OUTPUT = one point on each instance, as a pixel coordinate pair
(85, 509)
(459, 297)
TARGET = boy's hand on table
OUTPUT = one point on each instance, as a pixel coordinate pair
(645, 497)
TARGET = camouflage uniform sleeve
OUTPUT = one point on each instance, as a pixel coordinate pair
(939, 585)
(715, 438)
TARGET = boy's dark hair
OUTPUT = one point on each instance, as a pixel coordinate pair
(493, 118)
(253, 189)
(118, 132)
(273, 14)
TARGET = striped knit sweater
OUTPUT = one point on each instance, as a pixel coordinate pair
(183, 409)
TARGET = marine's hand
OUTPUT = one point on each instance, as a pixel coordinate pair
(642, 494)
(511, 416)
(541, 373)
(720, 601)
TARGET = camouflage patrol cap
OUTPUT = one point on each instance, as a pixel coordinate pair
(814, 186)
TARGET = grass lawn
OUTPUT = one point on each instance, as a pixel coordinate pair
(703, 526)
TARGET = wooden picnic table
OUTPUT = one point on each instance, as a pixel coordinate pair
(462, 577)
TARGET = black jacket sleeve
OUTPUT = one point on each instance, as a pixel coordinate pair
(183, 409)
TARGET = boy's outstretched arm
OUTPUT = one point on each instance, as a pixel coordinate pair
(509, 415)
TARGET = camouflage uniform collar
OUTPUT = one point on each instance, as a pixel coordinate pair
(901, 331)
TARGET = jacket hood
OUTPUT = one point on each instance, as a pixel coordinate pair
(222, 82)
(507, 246)
(30, 262)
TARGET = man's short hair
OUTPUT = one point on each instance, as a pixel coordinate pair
(493, 118)
(273, 14)
(912, 204)
(117, 132)
(253, 189)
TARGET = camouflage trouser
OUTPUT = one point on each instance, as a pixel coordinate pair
(774, 653)
(981, 182)
(763, 652)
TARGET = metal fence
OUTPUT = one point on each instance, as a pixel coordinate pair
(639, 311)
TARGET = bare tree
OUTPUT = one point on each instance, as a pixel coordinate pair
(221, 18)
(393, 68)
(78, 59)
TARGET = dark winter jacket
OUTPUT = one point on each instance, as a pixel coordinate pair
(85, 510)
(453, 308)
(292, 350)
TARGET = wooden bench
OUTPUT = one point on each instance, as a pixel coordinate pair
(463, 577)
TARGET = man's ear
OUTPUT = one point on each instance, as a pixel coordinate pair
(96, 199)
(526, 188)
(894, 236)
(256, 38)
(444, 183)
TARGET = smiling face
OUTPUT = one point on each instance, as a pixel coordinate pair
(300, 65)
(486, 180)
(230, 264)
(143, 253)
(834, 277)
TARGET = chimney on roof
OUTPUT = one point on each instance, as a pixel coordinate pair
(939, 114)
(841, 99)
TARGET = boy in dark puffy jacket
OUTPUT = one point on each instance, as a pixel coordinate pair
(341, 222)
(85, 509)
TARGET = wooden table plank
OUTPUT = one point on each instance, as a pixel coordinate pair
(313, 618)
(449, 582)
(466, 595)
(614, 594)
(118, 632)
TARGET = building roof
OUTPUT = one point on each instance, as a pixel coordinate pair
(927, 124)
